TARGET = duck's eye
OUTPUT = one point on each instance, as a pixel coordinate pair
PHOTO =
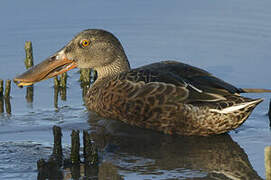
(85, 43)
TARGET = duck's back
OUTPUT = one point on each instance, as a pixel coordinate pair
(171, 97)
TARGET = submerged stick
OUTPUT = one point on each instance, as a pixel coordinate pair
(1, 88)
(90, 151)
(28, 54)
(57, 150)
(7, 89)
(75, 156)
(267, 159)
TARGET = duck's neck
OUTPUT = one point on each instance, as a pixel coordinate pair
(116, 67)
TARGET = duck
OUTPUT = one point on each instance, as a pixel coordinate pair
(168, 96)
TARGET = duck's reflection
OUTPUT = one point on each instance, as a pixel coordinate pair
(146, 152)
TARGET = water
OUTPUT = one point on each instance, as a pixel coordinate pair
(231, 39)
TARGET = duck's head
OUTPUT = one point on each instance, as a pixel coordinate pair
(92, 48)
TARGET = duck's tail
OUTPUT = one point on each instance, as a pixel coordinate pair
(251, 90)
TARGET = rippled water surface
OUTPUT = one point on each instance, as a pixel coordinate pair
(231, 39)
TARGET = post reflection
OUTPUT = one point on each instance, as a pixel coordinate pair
(1, 105)
(8, 105)
(151, 152)
(63, 93)
(56, 91)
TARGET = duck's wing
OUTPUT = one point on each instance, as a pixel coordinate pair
(166, 78)
(194, 76)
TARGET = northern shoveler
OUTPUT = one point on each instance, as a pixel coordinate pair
(168, 96)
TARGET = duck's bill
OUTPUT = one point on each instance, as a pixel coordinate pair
(48, 68)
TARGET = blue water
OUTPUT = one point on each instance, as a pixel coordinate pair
(231, 39)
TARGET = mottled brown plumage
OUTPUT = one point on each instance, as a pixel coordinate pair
(168, 96)
(147, 98)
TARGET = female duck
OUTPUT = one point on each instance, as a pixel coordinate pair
(168, 96)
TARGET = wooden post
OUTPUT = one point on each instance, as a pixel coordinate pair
(56, 82)
(1, 88)
(28, 54)
(63, 86)
(57, 150)
(90, 151)
(269, 113)
(28, 64)
(1, 96)
(7, 89)
(56, 91)
(1, 104)
(63, 80)
(267, 159)
(8, 105)
(85, 76)
(75, 171)
(75, 149)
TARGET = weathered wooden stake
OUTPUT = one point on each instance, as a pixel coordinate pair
(1, 88)
(28, 64)
(56, 91)
(29, 54)
(75, 171)
(7, 88)
(85, 76)
(269, 113)
(56, 82)
(75, 149)
(90, 151)
(63, 80)
(1, 104)
(8, 105)
(267, 159)
(1, 96)
(57, 150)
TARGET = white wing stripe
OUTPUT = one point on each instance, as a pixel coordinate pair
(233, 108)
